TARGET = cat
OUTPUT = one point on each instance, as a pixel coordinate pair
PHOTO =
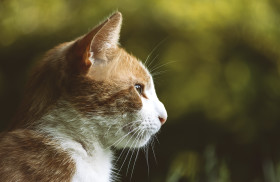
(85, 97)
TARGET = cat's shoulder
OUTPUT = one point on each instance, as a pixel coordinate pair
(27, 155)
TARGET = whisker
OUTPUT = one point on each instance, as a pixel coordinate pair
(147, 158)
(120, 155)
(132, 122)
(127, 143)
(122, 138)
(148, 66)
(158, 73)
(154, 154)
(157, 139)
(135, 158)
(153, 50)
(108, 130)
(134, 163)
(159, 66)
(116, 175)
(134, 145)
(129, 162)
(124, 160)
(128, 150)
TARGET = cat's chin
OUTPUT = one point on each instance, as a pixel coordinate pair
(133, 141)
(140, 141)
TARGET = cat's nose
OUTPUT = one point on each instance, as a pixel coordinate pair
(162, 120)
(161, 111)
(162, 114)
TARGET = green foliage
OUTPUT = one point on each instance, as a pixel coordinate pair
(221, 82)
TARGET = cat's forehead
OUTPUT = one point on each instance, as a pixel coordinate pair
(121, 67)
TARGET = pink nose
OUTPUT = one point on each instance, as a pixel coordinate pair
(162, 120)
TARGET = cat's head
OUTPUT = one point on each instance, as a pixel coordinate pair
(111, 88)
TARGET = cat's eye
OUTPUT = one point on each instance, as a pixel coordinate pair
(139, 88)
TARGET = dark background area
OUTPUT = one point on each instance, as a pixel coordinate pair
(217, 67)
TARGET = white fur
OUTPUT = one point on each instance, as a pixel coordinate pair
(88, 138)
(93, 160)
(149, 123)
(93, 168)
(152, 109)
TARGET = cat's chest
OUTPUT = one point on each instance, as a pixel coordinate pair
(95, 166)
(90, 169)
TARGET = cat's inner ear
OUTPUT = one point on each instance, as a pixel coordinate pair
(107, 38)
(100, 41)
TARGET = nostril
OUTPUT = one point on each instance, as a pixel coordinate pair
(162, 120)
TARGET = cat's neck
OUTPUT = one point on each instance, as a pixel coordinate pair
(83, 142)
(64, 122)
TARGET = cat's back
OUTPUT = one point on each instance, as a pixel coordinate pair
(26, 155)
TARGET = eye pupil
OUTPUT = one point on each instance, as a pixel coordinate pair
(139, 88)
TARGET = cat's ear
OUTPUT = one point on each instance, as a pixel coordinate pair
(107, 37)
(99, 41)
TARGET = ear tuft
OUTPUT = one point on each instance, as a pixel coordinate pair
(98, 42)
(107, 37)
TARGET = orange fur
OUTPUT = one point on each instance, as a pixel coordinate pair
(29, 156)
(94, 76)
(67, 65)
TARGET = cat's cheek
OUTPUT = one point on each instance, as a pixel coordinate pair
(150, 122)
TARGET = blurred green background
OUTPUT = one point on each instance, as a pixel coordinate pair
(217, 66)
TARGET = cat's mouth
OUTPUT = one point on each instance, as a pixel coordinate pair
(137, 132)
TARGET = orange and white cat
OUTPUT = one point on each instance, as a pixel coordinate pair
(85, 97)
